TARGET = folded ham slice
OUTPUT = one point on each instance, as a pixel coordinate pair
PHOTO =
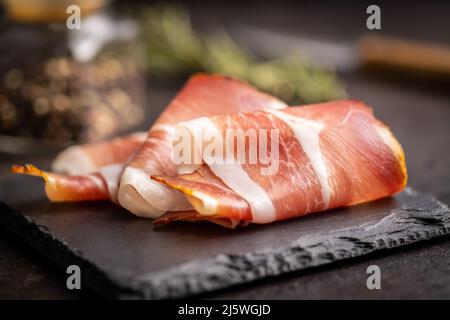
(203, 95)
(329, 155)
(87, 172)
(87, 158)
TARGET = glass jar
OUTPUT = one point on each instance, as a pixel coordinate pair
(68, 85)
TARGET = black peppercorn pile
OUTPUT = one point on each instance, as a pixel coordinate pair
(62, 99)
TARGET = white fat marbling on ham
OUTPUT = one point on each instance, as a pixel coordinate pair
(233, 174)
(96, 179)
(276, 105)
(73, 160)
(209, 204)
(307, 133)
(387, 137)
(137, 191)
(237, 179)
(194, 130)
(111, 175)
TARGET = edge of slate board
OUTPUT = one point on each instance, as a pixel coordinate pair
(422, 219)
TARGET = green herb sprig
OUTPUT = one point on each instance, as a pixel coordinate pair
(174, 48)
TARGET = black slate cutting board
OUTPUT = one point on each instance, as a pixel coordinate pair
(122, 256)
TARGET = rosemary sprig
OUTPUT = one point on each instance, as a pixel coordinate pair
(173, 48)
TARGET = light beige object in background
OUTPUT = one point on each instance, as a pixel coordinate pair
(406, 54)
(47, 10)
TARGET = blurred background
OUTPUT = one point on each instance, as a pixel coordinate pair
(62, 85)
(122, 67)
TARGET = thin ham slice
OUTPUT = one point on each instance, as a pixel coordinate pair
(69, 188)
(203, 95)
(87, 172)
(330, 155)
(87, 158)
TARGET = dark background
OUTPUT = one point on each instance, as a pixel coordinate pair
(417, 110)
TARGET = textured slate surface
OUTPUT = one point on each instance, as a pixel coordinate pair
(125, 257)
(418, 113)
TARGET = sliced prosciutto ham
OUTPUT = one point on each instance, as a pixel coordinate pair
(329, 155)
(203, 95)
(87, 172)
(87, 158)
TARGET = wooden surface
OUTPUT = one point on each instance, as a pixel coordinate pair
(418, 113)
